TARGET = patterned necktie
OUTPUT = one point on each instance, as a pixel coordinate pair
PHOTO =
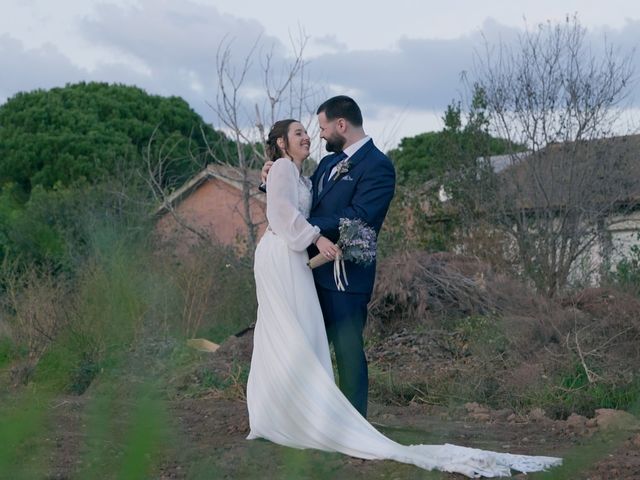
(327, 173)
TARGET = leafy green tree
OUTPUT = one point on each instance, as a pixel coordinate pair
(458, 146)
(54, 227)
(455, 159)
(90, 130)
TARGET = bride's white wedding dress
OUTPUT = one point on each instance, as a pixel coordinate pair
(291, 394)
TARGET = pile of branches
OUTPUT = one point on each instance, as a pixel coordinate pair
(413, 286)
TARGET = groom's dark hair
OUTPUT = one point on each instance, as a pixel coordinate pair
(342, 107)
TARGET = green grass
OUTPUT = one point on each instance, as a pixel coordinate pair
(22, 423)
(126, 430)
(146, 436)
(8, 351)
(573, 392)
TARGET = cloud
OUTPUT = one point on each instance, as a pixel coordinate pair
(169, 47)
(30, 69)
(167, 34)
(425, 74)
(329, 42)
(419, 74)
(176, 43)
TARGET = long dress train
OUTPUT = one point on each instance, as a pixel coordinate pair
(292, 397)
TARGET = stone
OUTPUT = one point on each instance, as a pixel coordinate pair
(473, 407)
(591, 423)
(480, 417)
(576, 422)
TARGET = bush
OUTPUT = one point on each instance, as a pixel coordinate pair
(212, 289)
(627, 273)
(35, 304)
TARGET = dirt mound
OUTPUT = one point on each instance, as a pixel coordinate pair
(233, 355)
(605, 302)
(606, 332)
(222, 373)
(446, 326)
(237, 348)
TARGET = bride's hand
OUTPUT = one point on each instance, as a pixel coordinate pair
(265, 171)
(327, 248)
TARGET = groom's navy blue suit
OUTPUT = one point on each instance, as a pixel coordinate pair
(363, 192)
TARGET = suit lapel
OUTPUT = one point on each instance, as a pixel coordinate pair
(320, 176)
(353, 161)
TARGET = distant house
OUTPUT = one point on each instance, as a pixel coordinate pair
(211, 204)
(599, 177)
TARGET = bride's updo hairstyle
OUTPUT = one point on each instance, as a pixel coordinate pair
(280, 129)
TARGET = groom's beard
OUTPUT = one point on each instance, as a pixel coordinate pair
(335, 144)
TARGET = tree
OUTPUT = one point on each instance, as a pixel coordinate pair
(457, 147)
(285, 93)
(88, 130)
(245, 112)
(450, 161)
(560, 99)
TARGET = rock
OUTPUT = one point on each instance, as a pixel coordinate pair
(473, 407)
(480, 417)
(591, 423)
(576, 422)
(478, 412)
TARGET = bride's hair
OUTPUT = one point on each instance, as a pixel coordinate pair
(280, 129)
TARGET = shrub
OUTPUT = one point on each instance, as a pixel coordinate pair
(627, 272)
(212, 290)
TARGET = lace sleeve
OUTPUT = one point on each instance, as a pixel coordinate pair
(282, 206)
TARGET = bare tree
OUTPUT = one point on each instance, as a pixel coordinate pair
(249, 99)
(560, 99)
(285, 92)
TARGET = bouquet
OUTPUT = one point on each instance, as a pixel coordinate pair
(358, 244)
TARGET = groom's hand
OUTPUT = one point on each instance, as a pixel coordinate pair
(265, 171)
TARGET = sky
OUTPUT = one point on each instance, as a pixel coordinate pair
(402, 60)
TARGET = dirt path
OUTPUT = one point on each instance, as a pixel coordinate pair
(205, 435)
(215, 431)
(207, 441)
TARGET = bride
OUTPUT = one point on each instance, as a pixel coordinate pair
(291, 394)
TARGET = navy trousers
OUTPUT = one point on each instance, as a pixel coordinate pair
(345, 315)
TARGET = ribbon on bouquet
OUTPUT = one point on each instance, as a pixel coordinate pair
(339, 270)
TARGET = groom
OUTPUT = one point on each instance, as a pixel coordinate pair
(355, 181)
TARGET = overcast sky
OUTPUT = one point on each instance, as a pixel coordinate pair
(400, 59)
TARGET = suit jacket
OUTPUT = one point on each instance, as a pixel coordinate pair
(365, 192)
